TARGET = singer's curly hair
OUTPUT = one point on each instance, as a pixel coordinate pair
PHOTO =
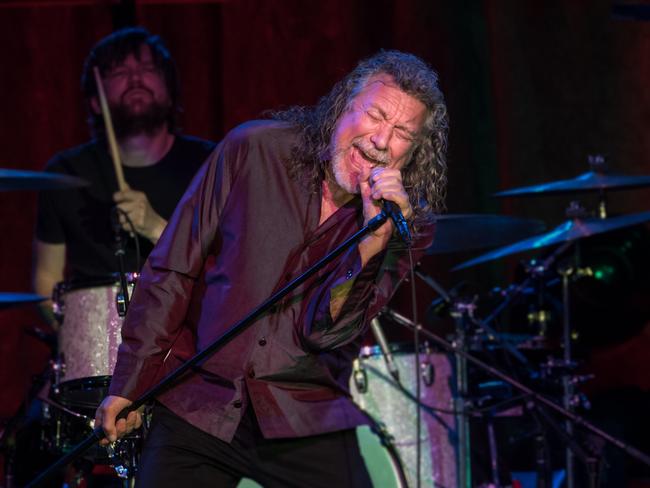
(424, 175)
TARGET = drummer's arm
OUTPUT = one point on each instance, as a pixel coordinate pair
(49, 264)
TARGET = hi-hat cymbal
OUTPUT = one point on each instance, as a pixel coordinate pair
(13, 179)
(8, 299)
(589, 181)
(568, 231)
(467, 232)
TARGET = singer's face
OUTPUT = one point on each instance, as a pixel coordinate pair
(380, 127)
(136, 84)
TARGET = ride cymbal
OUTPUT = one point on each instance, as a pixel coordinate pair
(569, 230)
(589, 181)
(12, 179)
(8, 299)
(467, 232)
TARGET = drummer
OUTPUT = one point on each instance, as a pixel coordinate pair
(74, 235)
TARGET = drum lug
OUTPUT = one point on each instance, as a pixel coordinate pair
(427, 372)
(360, 376)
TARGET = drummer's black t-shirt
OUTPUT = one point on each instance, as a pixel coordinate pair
(80, 217)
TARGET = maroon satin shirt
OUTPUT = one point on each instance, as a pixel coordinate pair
(243, 230)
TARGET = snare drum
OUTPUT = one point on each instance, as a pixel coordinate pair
(394, 408)
(89, 337)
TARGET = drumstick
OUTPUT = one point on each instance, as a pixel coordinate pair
(110, 133)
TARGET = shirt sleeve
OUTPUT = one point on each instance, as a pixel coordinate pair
(365, 290)
(154, 322)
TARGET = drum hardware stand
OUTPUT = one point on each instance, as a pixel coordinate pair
(535, 399)
(591, 462)
(598, 165)
(123, 455)
(378, 333)
(450, 299)
(15, 423)
(494, 456)
(534, 271)
(538, 315)
(122, 297)
(463, 313)
(566, 271)
(234, 330)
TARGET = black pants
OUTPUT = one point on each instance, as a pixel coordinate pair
(178, 454)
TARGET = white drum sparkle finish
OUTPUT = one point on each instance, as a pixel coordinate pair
(91, 331)
(396, 411)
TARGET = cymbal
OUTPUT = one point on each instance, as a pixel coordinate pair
(467, 232)
(589, 181)
(8, 299)
(570, 230)
(13, 179)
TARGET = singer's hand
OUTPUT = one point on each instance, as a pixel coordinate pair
(108, 411)
(377, 184)
(145, 219)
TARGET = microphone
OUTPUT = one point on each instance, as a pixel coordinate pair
(385, 350)
(392, 210)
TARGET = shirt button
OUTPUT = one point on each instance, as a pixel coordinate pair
(348, 275)
(262, 341)
(237, 404)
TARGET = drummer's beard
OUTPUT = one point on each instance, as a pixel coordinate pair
(147, 122)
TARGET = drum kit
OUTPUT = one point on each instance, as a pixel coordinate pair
(430, 382)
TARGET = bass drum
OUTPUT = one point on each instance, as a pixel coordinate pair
(382, 462)
(393, 406)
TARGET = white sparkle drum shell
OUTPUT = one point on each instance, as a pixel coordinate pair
(394, 408)
(90, 334)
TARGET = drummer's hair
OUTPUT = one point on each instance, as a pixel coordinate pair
(425, 174)
(111, 51)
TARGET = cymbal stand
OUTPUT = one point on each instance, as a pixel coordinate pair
(598, 165)
(463, 313)
(566, 271)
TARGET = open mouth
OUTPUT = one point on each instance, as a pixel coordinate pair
(375, 161)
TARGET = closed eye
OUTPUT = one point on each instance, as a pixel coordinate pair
(404, 134)
(374, 116)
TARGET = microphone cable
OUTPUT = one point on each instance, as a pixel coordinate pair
(132, 233)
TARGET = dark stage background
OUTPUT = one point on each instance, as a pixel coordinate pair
(532, 89)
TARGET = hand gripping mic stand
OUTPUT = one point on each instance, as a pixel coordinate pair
(232, 332)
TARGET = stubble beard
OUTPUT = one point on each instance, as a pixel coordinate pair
(150, 120)
(344, 178)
